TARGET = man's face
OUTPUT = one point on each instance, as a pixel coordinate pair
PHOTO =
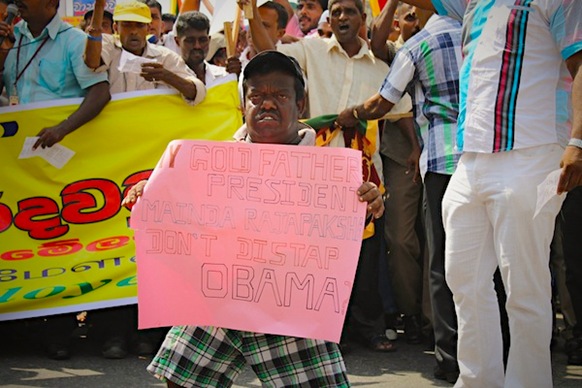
(270, 19)
(193, 46)
(133, 36)
(408, 21)
(345, 20)
(308, 12)
(168, 25)
(106, 26)
(324, 30)
(156, 23)
(32, 9)
(271, 109)
(219, 58)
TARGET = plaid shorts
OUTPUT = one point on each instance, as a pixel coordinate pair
(195, 356)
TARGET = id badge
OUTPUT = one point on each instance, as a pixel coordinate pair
(13, 100)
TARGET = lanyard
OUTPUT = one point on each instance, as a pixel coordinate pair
(19, 75)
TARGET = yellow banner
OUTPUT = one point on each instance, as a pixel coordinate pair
(65, 245)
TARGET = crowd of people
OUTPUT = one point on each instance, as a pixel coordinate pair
(477, 103)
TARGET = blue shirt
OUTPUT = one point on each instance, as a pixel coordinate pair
(515, 87)
(57, 71)
(427, 67)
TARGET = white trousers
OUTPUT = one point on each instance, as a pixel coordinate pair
(488, 213)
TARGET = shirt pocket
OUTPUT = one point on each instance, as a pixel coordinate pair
(51, 75)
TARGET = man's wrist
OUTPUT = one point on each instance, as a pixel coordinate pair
(575, 142)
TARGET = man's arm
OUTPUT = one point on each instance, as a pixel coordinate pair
(259, 34)
(7, 32)
(97, 97)
(381, 29)
(94, 45)
(406, 126)
(287, 6)
(424, 4)
(571, 163)
(374, 108)
(190, 5)
(154, 72)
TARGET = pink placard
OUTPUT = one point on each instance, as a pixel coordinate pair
(261, 238)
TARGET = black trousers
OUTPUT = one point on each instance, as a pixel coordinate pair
(365, 311)
(571, 219)
(444, 318)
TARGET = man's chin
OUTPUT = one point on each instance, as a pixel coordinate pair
(267, 127)
(306, 28)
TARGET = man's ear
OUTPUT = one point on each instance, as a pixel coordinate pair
(177, 41)
(301, 105)
(115, 28)
(395, 24)
(280, 33)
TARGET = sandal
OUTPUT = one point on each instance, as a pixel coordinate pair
(381, 343)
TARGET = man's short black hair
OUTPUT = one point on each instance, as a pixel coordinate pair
(152, 4)
(271, 61)
(282, 15)
(358, 3)
(89, 14)
(322, 3)
(168, 17)
(192, 20)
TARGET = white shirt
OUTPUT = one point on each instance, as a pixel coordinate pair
(125, 81)
(336, 81)
(514, 86)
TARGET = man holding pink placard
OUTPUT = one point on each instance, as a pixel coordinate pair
(274, 92)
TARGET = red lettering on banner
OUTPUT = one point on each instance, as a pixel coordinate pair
(77, 201)
(60, 248)
(29, 215)
(83, 202)
(108, 243)
(21, 254)
(5, 216)
(66, 247)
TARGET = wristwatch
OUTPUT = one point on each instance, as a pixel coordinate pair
(575, 142)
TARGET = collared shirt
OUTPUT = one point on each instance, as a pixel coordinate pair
(216, 73)
(515, 87)
(337, 81)
(58, 69)
(128, 81)
(427, 66)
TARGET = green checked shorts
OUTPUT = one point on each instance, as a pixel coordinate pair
(196, 356)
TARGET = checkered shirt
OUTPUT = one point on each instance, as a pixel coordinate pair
(427, 67)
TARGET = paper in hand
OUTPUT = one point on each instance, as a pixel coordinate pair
(547, 190)
(130, 63)
(57, 155)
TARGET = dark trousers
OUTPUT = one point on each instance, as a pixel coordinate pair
(365, 310)
(571, 219)
(405, 259)
(443, 308)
